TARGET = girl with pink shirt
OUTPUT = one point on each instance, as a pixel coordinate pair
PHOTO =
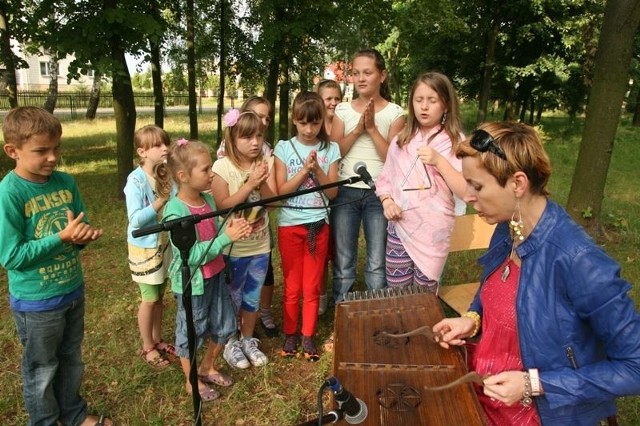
(418, 182)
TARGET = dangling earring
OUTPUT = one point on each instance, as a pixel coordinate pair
(444, 118)
(516, 226)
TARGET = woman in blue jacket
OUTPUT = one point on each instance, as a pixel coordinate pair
(558, 331)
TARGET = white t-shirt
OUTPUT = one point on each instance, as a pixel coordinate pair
(364, 149)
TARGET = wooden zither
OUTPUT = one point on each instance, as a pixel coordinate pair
(393, 375)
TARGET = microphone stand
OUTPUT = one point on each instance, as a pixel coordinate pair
(183, 236)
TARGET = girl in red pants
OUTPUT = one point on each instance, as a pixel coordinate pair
(306, 160)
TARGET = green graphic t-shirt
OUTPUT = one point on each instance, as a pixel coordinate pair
(39, 265)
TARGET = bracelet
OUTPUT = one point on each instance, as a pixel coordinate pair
(476, 320)
(526, 400)
(385, 198)
(536, 389)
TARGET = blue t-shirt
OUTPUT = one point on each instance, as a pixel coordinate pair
(285, 152)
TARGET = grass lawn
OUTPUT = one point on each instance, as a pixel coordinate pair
(284, 392)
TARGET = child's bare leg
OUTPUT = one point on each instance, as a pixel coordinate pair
(146, 315)
(158, 311)
(212, 353)
(248, 322)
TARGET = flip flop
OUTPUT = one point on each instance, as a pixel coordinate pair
(207, 394)
(217, 379)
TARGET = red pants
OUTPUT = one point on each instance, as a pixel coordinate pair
(303, 273)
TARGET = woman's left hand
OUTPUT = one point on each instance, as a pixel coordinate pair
(507, 387)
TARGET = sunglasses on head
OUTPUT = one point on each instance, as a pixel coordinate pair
(482, 141)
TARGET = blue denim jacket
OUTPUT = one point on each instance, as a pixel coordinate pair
(576, 322)
(140, 212)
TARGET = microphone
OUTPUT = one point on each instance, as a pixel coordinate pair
(355, 410)
(360, 168)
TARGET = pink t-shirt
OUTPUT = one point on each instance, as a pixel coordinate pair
(207, 230)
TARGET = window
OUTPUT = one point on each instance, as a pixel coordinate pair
(45, 71)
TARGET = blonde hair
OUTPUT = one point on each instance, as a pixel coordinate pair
(182, 156)
(524, 151)
(249, 124)
(150, 136)
(252, 101)
(22, 123)
(328, 84)
(441, 84)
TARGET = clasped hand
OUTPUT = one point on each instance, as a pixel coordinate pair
(258, 173)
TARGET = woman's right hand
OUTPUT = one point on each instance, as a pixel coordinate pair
(237, 228)
(453, 331)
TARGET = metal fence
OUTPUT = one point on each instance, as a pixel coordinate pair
(80, 101)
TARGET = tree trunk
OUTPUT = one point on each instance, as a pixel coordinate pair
(610, 77)
(283, 124)
(636, 110)
(272, 89)
(52, 94)
(222, 69)
(487, 72)
(94, 96)
(9, 58)
(156, 79)
(124, 106)
(191, 72)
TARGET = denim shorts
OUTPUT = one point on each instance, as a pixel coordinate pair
(214, 316)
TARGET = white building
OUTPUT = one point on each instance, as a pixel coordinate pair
(38, 76)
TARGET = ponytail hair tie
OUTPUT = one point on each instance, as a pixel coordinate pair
(182, 142)
(231, 117)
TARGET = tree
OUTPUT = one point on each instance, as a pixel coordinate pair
(7, 57)
(94, 96)
(610, 77)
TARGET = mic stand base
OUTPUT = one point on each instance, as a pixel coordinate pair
(333, 416)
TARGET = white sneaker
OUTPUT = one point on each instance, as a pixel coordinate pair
(233, 354)
(251, 351)
(322, 306)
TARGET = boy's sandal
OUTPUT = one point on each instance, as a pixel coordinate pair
(158, 362)
(287, 354)
(167, 348)
(100, 421)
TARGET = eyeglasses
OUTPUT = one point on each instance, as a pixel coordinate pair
(482, 141)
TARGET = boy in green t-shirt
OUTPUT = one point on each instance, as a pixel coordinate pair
(42, 229)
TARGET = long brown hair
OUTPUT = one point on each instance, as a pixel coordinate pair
(441, 84)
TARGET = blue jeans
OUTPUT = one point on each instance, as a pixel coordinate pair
(350, 208)
(52, 364)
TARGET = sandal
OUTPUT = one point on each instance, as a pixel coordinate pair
(207, 394)
(290, 346)
(216, 379)
(167, 348)
(157, 362)
(309, 348)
